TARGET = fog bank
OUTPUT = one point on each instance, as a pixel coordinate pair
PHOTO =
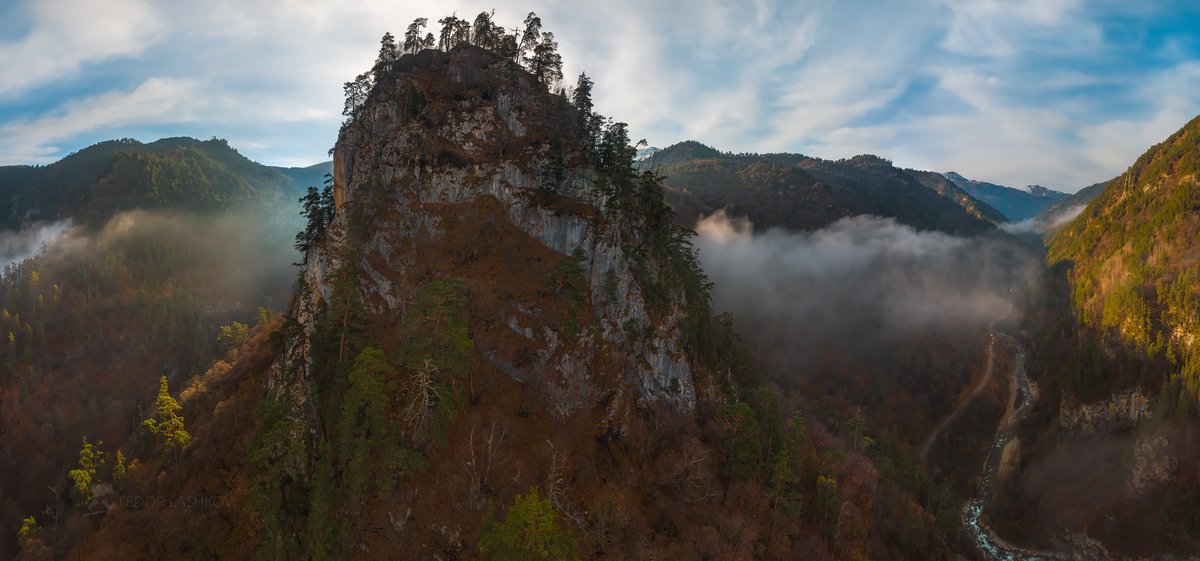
(19, 246)
(860, 282)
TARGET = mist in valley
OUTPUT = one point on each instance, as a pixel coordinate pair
(858, 285)
(241, 258)
(1039, 225)
(21, 245)
(112, 308)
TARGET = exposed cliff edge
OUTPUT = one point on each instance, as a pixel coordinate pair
(450, 135)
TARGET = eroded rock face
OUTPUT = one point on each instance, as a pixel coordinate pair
(1153, 465)
(463, 136)
(1123, 410)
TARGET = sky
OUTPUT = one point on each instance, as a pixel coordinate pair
(1061, 93)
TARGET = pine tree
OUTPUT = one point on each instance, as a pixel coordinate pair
(741, 439)
(451, 32)
(316, 217)
(413, 43)
(166, 420)
(553, 171)
(328, 204)
(356, 95)
(508, 47)
(615, 154)
(118, 473)
(530, 36)
(91, 457)
(546, 63)
(462, 32)
(587, 121)
(530, 532)
(484, 33)
(388, 53)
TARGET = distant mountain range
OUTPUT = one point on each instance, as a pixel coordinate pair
(950, 190)
(177, 173)
(802, 193)
(1061, 213)
(1015, 204)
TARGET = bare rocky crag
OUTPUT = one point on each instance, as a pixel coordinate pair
(489, 147)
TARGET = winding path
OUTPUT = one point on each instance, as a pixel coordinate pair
(983, 382)
(993, 546)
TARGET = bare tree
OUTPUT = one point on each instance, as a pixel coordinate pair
(557, 490)
(54, 511)
(423, 397)
(480, 461)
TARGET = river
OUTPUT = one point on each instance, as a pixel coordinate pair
(989, 543)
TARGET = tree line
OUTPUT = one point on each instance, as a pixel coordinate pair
(528, 45)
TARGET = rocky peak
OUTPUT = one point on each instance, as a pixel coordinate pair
(1039, 191)
(460, 166)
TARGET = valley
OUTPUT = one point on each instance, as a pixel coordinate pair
(495, 326)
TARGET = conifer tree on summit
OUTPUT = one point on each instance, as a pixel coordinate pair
(413, 42)
(388, 52)
(530, 36)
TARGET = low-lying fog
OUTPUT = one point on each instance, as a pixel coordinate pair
(856, 283)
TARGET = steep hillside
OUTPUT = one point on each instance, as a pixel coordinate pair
(802, 193)
(1132, 254)
(1113, 453)
(158, 246)
(1063, 212)
(500, 335)
(1015, 204)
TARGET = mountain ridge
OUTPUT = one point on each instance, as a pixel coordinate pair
(96, 182)
(802, 193)
(1015, 204)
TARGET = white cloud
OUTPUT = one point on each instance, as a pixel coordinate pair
(827, 78)
(1001, 28)
(155, 101)
(67, 34)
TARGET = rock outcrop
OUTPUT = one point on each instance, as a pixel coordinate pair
(1120, 411)
(1153, 464)
(464, 135)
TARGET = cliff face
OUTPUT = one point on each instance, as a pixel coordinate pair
(529, 335)
(1123, 410)
(446, 158)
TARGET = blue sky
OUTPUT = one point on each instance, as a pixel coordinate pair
(1063, 93)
